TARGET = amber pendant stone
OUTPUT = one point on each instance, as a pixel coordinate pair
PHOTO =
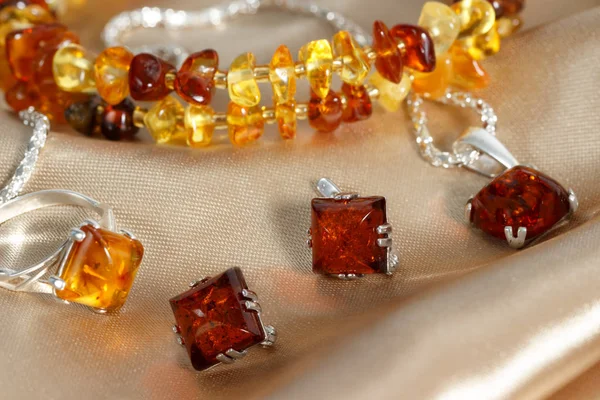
(212, 318)
(520, 197)
(148, 77)
(344, 235)
(100, 269)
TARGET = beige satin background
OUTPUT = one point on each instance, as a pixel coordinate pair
(464, 317)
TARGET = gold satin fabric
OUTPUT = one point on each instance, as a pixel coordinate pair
(464, 317)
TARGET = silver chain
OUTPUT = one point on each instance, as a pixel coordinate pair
(460, 155)
(41, 126)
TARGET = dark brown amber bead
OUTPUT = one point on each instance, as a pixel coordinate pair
(520, 198)
(358, 103)
(419, 53)
(147, 77)
(389, 59)
(194, 81)
(22, 95)
(82, 115)
(325, 115)
(23, 3)
(117, 121)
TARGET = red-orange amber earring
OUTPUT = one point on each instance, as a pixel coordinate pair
(521, 204)
(349, 235)
(219, 319)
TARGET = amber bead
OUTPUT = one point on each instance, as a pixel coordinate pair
(23, 3)
(355, 62)
(13, 19)
(73, 69)
(164, 120)
(358, 103)
(389, 59)
(24, 46)
(506, 26)
(22, 95)
(317, 57)
(147, 77)
(111, 71)
(467, 73)
(194, 81)
(246, 124)
(482, 46)
(442, 23)
(282, 75)
(243, 88)
(82, 116)
(286, 119)
(117, 121)
(434, 84)
(6, 78)
(419, 52)
(199, 125)
(391, 95)
(507, 7)
(325, 115)
(54, 102)
(476, 16)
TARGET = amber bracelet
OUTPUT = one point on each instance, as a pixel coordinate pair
(52, 72)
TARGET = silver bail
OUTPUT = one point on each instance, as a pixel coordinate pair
(493, 159)
(326, 188)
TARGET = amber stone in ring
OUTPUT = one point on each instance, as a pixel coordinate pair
(344, 235)
(194, 81)
(520, 197)
(147, 77)
(212, 318)
(100, 270)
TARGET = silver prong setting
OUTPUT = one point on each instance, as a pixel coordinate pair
(250, 295)
(193, 284)
(127, 233)
(348, 277)
(253, 306)
(573, 202)
(346, 196)
(270, 336)
(91, 223)
(518, 241)
(77, 235)
(56, 282)
(469, 210)
(384, 229)
(236, 355)
(180, 340)
(224, 359)
(384, 242)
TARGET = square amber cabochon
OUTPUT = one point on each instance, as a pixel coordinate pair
(100, 270)
(344, 235)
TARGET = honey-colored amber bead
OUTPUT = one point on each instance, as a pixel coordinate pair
(246, 124)
(434, 84)
(317, 57)
(355, 63)
(467, 73)
(13, 18)
(358, 105)
(282, 76)
(117, 121)
(22, 95)
(506, 26)
(147, 77)
(24, 46)
(476, 16)
(391, 95)
(389, 59)
(286, 119)
(164, 120)
(73, 69)
(243, 88)
(199, 125)
(419, 52)
(325, 115)
(111, 71)
(442, 23)
(194, 81)
(482, 46)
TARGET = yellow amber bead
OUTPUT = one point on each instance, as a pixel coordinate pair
(243, 88)
(391, 95)
(13, 18)
(317, 57)
(467, 73)
(199, 125)
(476, 16)
(73, 69)
(246, 125)
(282, 75)
(442, 23)
(285, 114)
(434, 84)
(164, 121)
(355, 63)
(482, 46)
(112, 74)
(506, 26)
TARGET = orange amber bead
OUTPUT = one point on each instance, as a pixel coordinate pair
(389, 58)
(246, 124)
(434, 84)
(285, 113)
(23, 3)
(24, 46)
(358, 103)
(112, 71)
(54, 102)
(467, 73)
(6, 78)
(22, 95)
(194, 82)
(325, 115)
(147, 77)
(419, 52)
